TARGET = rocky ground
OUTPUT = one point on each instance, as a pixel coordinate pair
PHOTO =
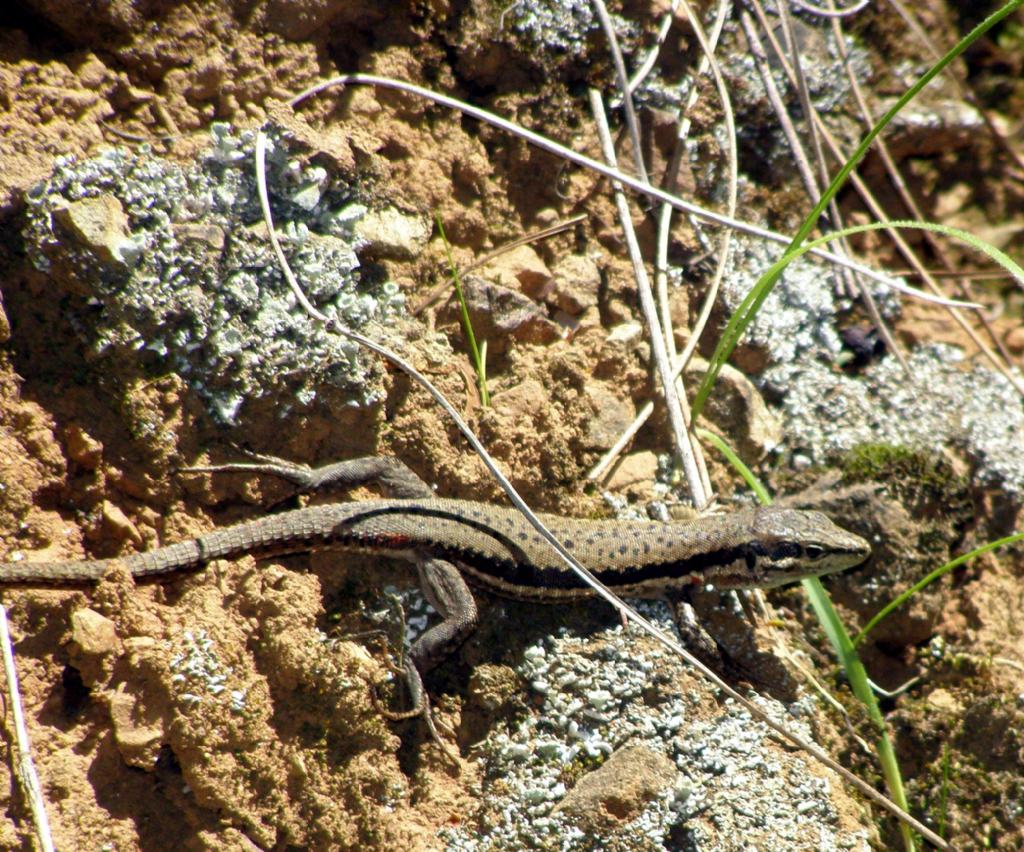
(143, 328)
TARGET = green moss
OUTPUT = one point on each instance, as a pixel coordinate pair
(886, 461)
(922, 480)
(582, 764)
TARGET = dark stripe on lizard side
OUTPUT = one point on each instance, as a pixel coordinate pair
(515, 570)
(695, 569)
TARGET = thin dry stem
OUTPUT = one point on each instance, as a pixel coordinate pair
(532, 237)
(810, 181)
(615, 174)
(899, 241)
(673, 403)
(831, 13)
(23, 767)
(896, 178)
(961, 90)
(602, 591)
(623, 82)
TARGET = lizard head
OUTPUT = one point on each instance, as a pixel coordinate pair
(786, 545)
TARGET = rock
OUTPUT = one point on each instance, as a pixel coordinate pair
(737, 408)
(546, 217)
(524, 402)
(82, 448)
(98, 225)
(498, 313)
(1014, 340)
(634, 473)
(944, 701)
(94, 646)
(210, 236)
(627, 332)
(93, 634)
(5, 326)
(577, 281)
(521, 269)
(117, 525)
(140, 707)
(92, 73)
(206, 76)
(138, 734)
(933, 125)
(494, 687)
(392, 234)
(619, 789)
(612, 416)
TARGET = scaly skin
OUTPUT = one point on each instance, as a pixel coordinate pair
(455, 541)
(496, 548)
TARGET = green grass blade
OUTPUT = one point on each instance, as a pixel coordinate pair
(844, 647)
(730, 456)
(860, 684)
(748, 308)
(996, 255)
(897, 602)
(479, 367)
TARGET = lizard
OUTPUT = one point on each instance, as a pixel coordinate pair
(458, 543)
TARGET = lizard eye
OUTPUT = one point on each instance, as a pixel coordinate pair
(814, 552)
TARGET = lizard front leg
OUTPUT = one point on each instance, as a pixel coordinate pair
(728, 643)
(451, 597)
(447, 592)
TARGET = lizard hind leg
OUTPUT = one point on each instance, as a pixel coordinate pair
(391, 475)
